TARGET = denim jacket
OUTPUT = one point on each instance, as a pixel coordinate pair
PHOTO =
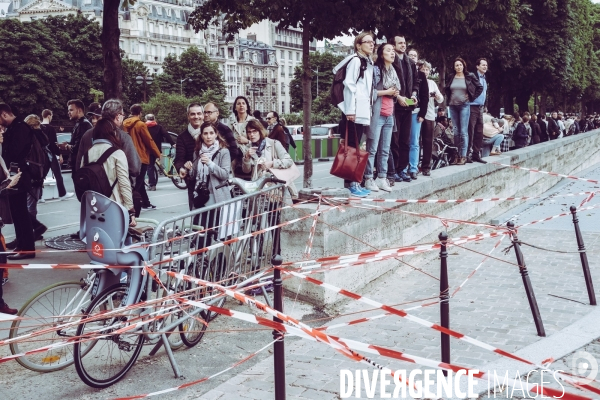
(377, 100)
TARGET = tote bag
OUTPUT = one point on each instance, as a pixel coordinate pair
(350, 162)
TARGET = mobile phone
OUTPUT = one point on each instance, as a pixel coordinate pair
(14, 169)
(432, 94)
(410, 102)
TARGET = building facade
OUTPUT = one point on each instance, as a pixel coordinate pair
(153, 29)
(288, 47)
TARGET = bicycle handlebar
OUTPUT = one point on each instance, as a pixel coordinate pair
(251, 186)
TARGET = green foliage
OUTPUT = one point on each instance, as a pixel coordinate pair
(132, 91)
(195, 64)
(170, 108)
(47, 62)
(322, 62)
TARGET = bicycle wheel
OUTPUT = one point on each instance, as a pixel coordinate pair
(54, 305)
(111, 356)
(210, 271)
(177, 181)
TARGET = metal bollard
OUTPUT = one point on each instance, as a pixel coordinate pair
(278, 346)
(444, 299)
(583, 256)
(537, 318)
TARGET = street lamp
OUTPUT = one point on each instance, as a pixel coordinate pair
(146, 79)
(254, 90)
(181, 84)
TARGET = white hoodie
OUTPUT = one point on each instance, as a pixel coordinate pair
(357, 92)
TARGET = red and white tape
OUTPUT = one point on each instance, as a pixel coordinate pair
(557, 216)
(547, 172)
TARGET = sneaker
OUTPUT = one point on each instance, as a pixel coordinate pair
(152, 188)
(362, 189)
(355, 190)
(397, 178)
(5, 309)
(382, 184)
(41, 200)
(4, 281)
(12, 244)
(67, 196)
(391, 182)
(371, 185)
(404, 177)
(149, 206)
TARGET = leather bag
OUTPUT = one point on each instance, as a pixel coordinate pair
(350, 162)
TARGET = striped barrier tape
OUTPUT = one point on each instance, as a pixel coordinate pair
(556, 216)
(587, 199)
(547, 172)
(198, 381)
(311, 233)
(434, 201)
(353, 346)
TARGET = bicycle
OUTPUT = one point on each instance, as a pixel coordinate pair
(53, 306)
(113, 330)
(170, 171)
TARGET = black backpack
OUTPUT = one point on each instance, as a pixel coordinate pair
(37, 159)
(337, 88)
(92, 176)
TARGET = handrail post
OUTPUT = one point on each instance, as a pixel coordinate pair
(278, 346)
(535, 311)
(444, 299)
(583, 256)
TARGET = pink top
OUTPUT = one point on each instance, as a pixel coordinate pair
(387, 106)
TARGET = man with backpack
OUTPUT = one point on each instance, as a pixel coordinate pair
(15, 150)
(145, 147)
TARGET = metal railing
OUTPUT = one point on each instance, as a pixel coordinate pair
(169, 37)
(294, 45)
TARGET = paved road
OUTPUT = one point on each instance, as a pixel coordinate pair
(496, 293)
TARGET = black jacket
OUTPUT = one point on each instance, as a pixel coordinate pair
(184, 151)
(52, 139)
(520, 135)
(474, 87)
(227, 134)
(543, 130)
(423, 95)
(409, 79)
(81, 126)
(16, 149)
(553, 128)
(159, 135)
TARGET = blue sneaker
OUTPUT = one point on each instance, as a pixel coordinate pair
(405, 177)
(355, 190)
(364, 190)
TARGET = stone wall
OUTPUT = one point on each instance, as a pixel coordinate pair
(357, 229)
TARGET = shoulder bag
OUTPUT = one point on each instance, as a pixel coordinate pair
(350, 162)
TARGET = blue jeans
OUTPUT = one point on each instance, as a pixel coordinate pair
(413, 147)
(490, 143)
(460, 119)
(380, 145)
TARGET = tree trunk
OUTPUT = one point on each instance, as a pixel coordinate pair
(113, 71)
(543, 100)
(523, 101)
(509, 105)
(306, 105)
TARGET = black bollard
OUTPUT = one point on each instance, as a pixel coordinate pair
(535, 311)
(444, 299)
(583, 256)
(278, 346)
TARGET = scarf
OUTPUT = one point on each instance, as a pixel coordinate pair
(390, 78)
(194, 132)
(261, 147)
(150, 124)
(203, 170)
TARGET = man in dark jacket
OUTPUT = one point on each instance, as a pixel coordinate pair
(211, 114)
(15, 149)
(55, 162)
(476, 116)
(159, 135)
(553, 126)
(76, 111)
(186, 141)
(409, 89)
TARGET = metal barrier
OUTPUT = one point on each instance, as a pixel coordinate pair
(223, 242)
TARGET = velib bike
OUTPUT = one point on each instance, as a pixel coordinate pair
(170, 171)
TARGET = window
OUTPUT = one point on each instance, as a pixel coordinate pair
(134, 48)
(159, 10)
(87, 2)
(177, 14)
(289, 55)
(170, 30)
(150, 27)
(140, 25)
(153, 50)
(163, 51)
(230, 52)
(282, 107)
(283, 88)
(168, 12)
(282, 54)
(291, 72)
(297, 56)
(254, 57)
(179, 31)
(143, 50)
(282, 71)
(161, 29)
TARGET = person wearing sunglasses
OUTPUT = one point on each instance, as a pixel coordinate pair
(276, 131)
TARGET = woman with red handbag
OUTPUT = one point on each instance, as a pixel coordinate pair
(356, 107)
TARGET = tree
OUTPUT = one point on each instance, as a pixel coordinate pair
(47, 62)
(204, 74)
(132, 91)
(111, 53)
(322, 62)
(318, 19)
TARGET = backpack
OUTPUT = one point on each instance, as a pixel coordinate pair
(337, 88)
(288, 137)
(37, 159)
(92, 176)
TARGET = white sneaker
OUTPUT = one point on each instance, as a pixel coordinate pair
(383, 184)
(370, 185)
(67, 196)
(41, 200)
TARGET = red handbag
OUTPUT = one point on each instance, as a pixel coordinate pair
(350, 162)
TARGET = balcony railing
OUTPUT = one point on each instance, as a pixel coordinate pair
(169, 37)
(262, 81)
(248, 79)
(293, 45)
(231, 79)
(125, 31)
(273, 80)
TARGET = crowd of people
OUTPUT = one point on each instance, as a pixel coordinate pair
(389, 98)
(207, 153)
